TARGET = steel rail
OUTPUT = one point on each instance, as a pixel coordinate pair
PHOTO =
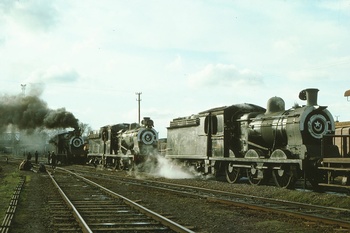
(309, 217)
(76, 214)
(326, 220)
(291, 203)
(331, 221)
(165, 221)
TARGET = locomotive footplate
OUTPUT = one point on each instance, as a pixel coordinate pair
(299, 161)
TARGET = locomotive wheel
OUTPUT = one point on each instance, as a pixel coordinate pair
(284, 177)
(315, 176)
(120, 164)
(254, 179)
(232, 173)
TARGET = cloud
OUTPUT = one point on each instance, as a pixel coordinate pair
(31, 14)
(224, 75)
(54, 74)
(175, 65)
(304, 76)
(131, 46)
(338, 6)
(287, 46)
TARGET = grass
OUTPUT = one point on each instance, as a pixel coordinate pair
(8, 183)
(279, 227)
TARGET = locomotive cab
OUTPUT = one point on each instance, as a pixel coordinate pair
(208, 136)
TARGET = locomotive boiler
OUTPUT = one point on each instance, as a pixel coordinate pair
(70, 147)
(123, 145)
(257, 143)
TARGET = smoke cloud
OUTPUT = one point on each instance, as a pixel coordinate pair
(158, 166)
(30, 113)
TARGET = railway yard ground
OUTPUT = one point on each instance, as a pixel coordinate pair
(33, 213)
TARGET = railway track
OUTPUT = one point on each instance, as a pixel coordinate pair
(6, 223)
(338, 217)
(328, 215)
(96, 208)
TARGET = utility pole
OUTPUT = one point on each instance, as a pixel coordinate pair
(139, 101)
(23, 87)
(337, 118)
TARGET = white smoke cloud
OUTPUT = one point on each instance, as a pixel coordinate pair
(167, 169)
(158, 166)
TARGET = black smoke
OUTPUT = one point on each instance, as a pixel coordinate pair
(30, 113)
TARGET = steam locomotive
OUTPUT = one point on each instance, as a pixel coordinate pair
(123, 145)
(70, 147)
(247, 140)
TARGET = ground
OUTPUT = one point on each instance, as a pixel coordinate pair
(33, 213)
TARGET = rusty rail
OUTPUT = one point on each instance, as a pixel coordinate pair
(6, 223)
(163, 220)
(84, 226)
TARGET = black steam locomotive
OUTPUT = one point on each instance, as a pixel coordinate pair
(122, 145)
(257, 143)
(70, 147)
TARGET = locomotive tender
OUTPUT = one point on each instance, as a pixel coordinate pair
(254, 142)
(123, 145)
(70, 147)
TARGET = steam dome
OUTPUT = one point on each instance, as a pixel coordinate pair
(275, 104)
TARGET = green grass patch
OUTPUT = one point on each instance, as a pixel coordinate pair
(279, 227)
(8, 183)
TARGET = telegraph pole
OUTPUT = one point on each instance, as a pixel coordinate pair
(23, 87)
(139, 101)
(337, 118)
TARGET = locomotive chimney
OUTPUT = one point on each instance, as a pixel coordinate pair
(147, 122)
(310, 95)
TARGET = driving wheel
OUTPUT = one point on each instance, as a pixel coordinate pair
(232, 173)
(284, 177)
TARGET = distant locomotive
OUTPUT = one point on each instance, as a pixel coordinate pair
(254, 142)
(123, 145)
(70, 147)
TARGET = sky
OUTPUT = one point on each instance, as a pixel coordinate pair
(184, 56)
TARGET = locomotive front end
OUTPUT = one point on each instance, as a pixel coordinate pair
(298, 130)
(141, 141)
(314, 122)
(289, 140)
(70, 147)
(77, 147)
